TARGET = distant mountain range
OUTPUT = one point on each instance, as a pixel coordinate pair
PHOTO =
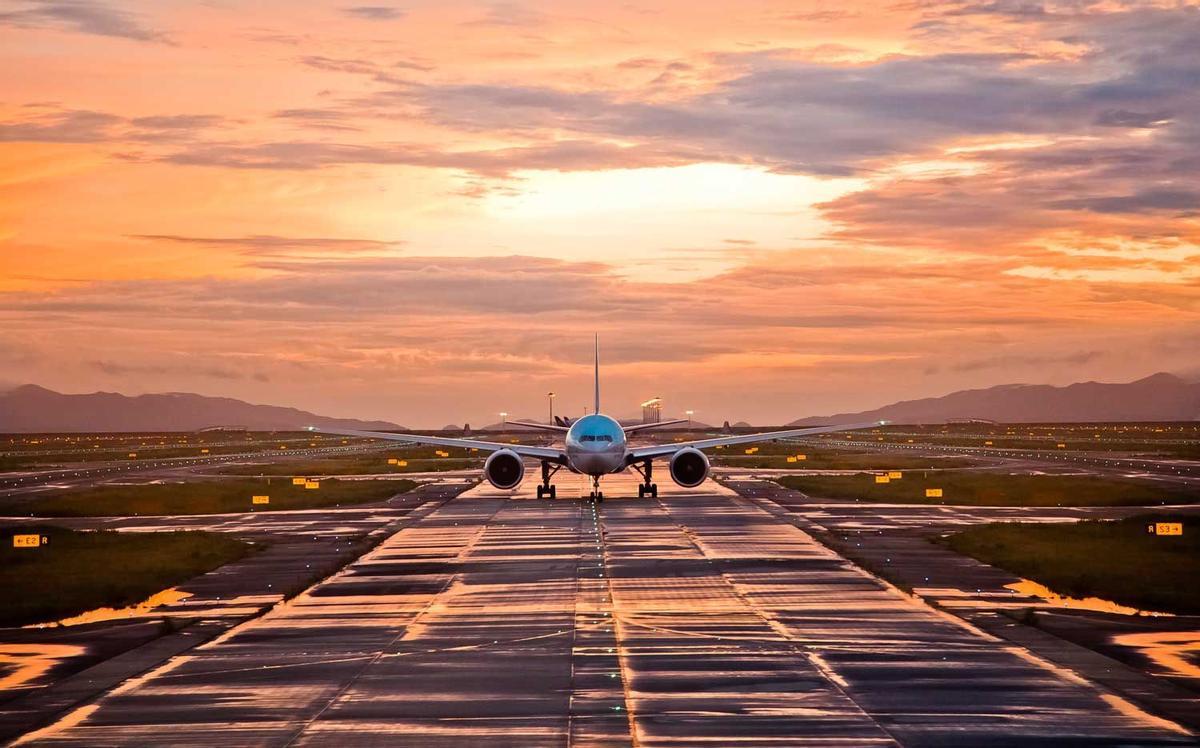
(33, 409)
(1161, 397)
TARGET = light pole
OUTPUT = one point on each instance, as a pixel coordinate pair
(503, 418)
(690, 413)
(551, 396)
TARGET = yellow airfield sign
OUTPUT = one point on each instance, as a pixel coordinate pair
(299, 481)
(933, 493)
(261, 499)
(1165, 528)
(895, 475)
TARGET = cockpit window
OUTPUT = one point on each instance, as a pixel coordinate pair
(595, 438)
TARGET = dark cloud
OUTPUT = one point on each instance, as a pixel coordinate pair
(570, 155)
(66, 126)
(796, 116)
(1078, 358)
(321, 119)
(80, 15)
(178, 122)
(182, 369)
(1144, 201)
(268, 245)
(56, 125)
(375, 12)
(509, 14)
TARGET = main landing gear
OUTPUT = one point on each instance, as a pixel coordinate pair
(546, 491)
(648, 487)
(596, 494)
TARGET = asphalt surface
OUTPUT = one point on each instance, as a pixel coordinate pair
(700, 618)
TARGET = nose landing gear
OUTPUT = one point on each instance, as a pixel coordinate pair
(546, 491)
(648, 487)
(596, 494)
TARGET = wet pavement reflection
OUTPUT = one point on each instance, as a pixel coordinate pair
(699, 618)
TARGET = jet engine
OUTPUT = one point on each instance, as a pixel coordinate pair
(504, 469)
(689, 467)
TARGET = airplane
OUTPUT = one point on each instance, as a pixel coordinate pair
(597, 445)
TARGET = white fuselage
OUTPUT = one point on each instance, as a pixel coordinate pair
(596, 445)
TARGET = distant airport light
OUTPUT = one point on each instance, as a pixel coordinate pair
(801, 457)
(260, 499)
(791, 459)
(299, 481)
(1154, 528)
(401, 463)
(392, 460)
(1062, 446)
(987, 444)
(933, 493)
(204, 451)
(133, 454)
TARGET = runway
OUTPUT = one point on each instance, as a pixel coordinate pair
(700, 618)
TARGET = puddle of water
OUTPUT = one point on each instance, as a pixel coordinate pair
(1168, 649)
(1033, 589)
(166, 597)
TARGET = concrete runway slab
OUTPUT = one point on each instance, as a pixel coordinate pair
(699, 618)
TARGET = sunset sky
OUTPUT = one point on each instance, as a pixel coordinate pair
(422, 211)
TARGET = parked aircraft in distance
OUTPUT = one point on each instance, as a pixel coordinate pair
(597, 445)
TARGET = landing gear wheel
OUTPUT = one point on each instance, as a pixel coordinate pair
(654, 490)
(539, 491)
(641, 491)
(553, 493)
(599, 497)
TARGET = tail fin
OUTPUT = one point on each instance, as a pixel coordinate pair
(597, 410)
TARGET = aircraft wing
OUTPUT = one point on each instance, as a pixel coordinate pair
(642, 426)
(542, 453)
(542, 426)
(661, 450)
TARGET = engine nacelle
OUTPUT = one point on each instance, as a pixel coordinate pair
(689, 467)
(504, 469)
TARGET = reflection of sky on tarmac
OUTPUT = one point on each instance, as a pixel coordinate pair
(165, 597)
(21, 664)
(1033, 589)
(1176, 652)
(701, 617)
